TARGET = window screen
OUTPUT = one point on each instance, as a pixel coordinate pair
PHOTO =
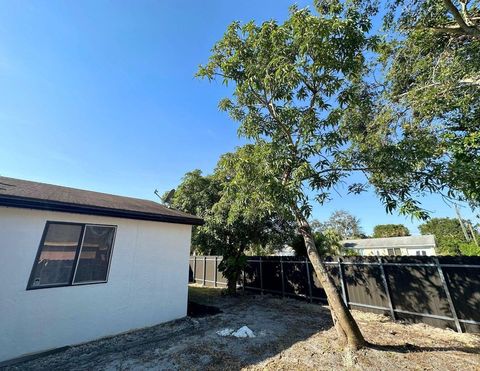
(95, 254)
(72, 253)
(55, 263)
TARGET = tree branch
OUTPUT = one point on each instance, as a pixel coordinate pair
(452, 30)
(475, 81)
(469, 30)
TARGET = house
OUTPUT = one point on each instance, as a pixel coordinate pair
(78, 265)
(409, 245)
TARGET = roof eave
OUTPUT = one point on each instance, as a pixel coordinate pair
(37, 204)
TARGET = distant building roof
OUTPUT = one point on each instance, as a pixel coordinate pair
(33, 195)
(390, 242)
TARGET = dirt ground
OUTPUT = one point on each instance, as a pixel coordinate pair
(290, 335)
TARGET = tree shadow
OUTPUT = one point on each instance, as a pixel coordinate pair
(278, 323)
(411, 287)
(411, 348)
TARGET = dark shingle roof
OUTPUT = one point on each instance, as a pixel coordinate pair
(33, 195)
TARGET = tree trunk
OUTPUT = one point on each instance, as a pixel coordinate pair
(234, 272)
(232, 284)
(347, 329)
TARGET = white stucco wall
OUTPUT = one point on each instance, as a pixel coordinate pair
(147, 283)
(411, 251)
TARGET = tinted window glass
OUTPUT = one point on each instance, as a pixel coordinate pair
(55, 263)
(95, 254)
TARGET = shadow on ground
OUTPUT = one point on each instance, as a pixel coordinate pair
(410, 348)
(193, 343)
(289, 334)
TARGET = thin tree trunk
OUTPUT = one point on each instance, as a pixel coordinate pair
(233, 279)
(347, 329)
(232, 285)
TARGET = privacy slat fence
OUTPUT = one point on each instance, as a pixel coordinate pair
(440, 291)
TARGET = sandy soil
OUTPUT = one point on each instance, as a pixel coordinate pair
(290, 335)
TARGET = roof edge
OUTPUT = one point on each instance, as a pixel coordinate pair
(32, 203)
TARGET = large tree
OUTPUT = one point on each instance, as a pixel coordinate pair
(292, 84)
(430, 88)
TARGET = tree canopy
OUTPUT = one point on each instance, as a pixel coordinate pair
(346, 225)
(390, 230)
(233, 223)
(293, 83)
(327, 243)
(450, 238)
(429, 91)
(305, 93)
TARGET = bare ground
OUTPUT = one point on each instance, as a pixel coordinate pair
(291, 335)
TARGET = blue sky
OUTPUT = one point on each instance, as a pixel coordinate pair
(101, 95)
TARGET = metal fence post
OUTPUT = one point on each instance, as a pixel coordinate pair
(194, 268)
(281, 274)
(387, 290)
(309, 280)
(261, 276)
(342, 282)
(204, 269)
(447, 293)
(215, 273)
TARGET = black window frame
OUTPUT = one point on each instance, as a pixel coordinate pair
(77, 256)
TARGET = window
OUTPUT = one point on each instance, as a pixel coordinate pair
(72, 254)
(395, 251)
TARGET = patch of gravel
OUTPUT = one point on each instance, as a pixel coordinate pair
(291, 334)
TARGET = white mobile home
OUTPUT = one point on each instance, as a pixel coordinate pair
(408, 245)
(79, 265)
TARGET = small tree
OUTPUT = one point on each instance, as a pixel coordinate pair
(344, 224)
(390, 230)
(229, 230)
(326, 242)
(238, 222)
(197, 194)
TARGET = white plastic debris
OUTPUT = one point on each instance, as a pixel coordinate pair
(225, 332)
(244, 332)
